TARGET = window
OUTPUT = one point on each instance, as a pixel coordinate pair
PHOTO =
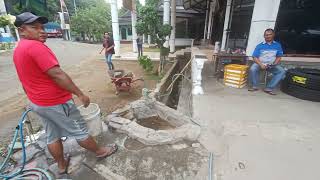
(298, 26)
(129, 31)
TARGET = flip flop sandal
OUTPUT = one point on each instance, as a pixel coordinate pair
(270, 92)
(65, 171)
(253, 89)
(113, 149)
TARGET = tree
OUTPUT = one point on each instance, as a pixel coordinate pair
(4, 20)
(150, 23)
(92, 21)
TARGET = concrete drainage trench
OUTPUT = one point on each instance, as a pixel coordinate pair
(156, 141)
(153, 123)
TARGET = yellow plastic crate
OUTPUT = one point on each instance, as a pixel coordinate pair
(236, 69)
(235, 75)
(235, 85)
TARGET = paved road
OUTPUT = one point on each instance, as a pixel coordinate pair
(68, 53)
(12, 98)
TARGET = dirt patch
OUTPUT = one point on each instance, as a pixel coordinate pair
(92, 78)
(155, 123)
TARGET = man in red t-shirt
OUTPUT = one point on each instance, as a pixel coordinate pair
(50, 91)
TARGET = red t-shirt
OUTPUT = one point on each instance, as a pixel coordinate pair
(32, 60)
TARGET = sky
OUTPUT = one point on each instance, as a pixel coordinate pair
(119, 3)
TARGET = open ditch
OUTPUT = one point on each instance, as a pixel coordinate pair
(157, 120)
(155, 123)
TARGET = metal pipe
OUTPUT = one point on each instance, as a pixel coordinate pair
(206, 21)
(210, 165)
(210, 19)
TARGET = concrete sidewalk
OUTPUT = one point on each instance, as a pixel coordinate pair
(155, 56)
(257, 136)
(126, 53)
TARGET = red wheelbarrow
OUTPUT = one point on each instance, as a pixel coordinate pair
(122, 80)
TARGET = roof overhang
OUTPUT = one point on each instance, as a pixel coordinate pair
(197, 5)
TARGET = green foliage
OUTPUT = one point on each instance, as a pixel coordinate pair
(146, 63)
(92, 21)
(4, 20)
(150, 23)
(164, 51)
(6, 46)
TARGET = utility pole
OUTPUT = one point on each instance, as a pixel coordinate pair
(75, 7)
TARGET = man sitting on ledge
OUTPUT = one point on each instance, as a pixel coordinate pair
(267, 56)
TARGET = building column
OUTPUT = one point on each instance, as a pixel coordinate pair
(166, 18)
(115, 26)
(187, 28)
(226, 25)
(264, 16)
(144, 38)
(206, 21)
(134, 21)
(211, 13)
(149, 39)
(173, 24)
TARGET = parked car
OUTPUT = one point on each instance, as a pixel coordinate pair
(53, 30)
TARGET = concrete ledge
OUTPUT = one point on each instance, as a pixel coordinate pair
(183, 129)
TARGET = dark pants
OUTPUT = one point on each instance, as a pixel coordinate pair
(140, 50)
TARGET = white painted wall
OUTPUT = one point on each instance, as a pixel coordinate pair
(264, 16)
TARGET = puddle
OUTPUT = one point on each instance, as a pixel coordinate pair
(132, 144)
(155, 123)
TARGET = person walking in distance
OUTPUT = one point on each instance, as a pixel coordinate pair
(108, 45)
(139, 44)
(50, 90)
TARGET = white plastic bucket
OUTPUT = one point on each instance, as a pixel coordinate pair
(91, 115)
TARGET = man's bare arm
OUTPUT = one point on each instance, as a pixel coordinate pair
(110, 47)
(256, 60)
(101, 50)
(277, 61)
(64, 81)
